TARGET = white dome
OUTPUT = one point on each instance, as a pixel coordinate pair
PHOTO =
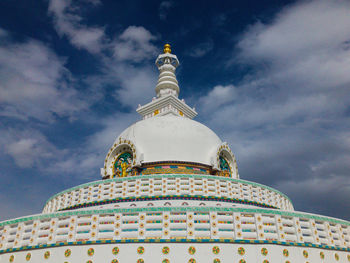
(172, 138)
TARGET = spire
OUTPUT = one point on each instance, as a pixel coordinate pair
(167, 82)
(167, 90)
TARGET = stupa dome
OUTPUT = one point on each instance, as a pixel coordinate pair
(167, 136)
(173, 138)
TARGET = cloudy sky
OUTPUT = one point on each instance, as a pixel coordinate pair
(272, 78)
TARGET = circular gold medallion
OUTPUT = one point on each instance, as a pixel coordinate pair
(67, 253)
(28, 256)
(140, 250)
(115, 250)
(47, 254)
(165, 250)
(191, 250)
(241, 251)
(216, 250)
(264, 251)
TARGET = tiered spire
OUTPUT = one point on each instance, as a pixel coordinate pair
(167, 82)
(167, 90)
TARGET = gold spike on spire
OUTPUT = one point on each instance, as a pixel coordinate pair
(167, 48)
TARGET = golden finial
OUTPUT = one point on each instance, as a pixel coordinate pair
(167, 48)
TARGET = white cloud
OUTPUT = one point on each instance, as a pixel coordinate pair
(201, 49)
(68, 22)
(36, 85)
(287, 117)
(88, 158)
(36, 89)
(164, 8)
(134, 45)
(29, 148)
(22, 151)
(301, 67)
(3, 33)
(309, 27)
(134, 82)
(217, 97)
(309, 40)
(322, 195)
(137, 85)
(111, 128)
(33, 82)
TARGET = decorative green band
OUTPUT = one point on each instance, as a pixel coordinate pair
(179, 240)
(168, 197)
(195, 176)
(178, 209)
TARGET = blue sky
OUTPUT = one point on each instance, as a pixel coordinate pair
(269, 77)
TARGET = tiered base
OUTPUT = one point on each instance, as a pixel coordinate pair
(177, 252)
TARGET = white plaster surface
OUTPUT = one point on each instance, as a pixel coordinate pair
(171, 138)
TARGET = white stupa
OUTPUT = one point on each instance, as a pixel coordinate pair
(171, 192)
